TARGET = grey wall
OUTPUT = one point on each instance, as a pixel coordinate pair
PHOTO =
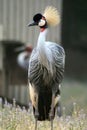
(15, 15)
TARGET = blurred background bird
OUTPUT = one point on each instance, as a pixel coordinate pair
(46, 68)
(23, 56)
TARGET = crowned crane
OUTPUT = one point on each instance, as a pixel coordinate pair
(23, 56)
(46, 68)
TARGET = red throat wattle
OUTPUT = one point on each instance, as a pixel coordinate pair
(42, 29)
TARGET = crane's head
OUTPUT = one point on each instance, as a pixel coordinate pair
(39, 20)
(49, 18)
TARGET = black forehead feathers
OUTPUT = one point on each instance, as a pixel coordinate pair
(37, 17)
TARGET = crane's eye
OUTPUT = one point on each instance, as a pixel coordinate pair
(41, 22)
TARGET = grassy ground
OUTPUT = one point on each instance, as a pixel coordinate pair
(12, 117)
(74, 111)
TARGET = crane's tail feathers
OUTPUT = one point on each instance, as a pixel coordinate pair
(52, 15)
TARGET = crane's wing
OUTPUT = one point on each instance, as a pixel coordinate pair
(58, 55)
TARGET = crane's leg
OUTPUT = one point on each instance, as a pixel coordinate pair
(52, 124)
(35, 124)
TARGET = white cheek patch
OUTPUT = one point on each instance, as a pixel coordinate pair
(42, 23)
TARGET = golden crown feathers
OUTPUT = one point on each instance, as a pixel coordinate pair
(52, 16)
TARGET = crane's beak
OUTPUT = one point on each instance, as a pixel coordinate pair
(32, 24)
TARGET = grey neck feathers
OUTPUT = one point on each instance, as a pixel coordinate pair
(43, 55)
